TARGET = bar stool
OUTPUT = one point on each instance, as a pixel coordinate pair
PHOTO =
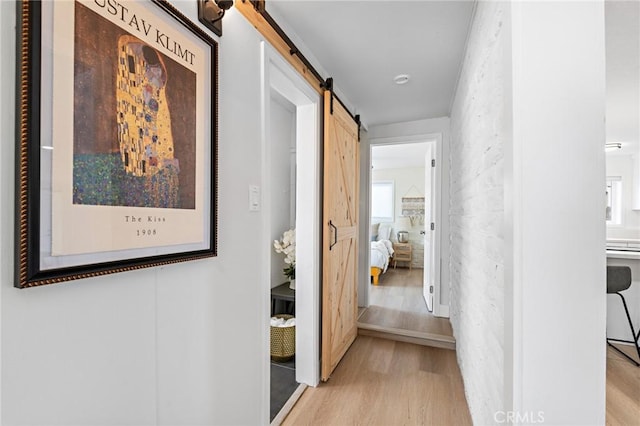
(619, 279)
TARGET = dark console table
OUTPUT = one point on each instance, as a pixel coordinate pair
(283, 300)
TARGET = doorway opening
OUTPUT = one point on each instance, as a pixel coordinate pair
(291, 200)
(405, 203)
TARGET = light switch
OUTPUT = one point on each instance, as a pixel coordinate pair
(254, 198)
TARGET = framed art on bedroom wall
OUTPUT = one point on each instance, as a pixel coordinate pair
(117, 155)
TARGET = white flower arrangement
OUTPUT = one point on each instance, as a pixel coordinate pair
(287, 245)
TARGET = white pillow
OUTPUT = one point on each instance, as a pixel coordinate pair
(384, 231)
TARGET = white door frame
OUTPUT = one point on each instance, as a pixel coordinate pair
(436, 139)
(279, 76)
(429, 273)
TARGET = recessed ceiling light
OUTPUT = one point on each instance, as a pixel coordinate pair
(401, 79)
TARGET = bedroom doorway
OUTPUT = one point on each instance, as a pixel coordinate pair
(404, 218)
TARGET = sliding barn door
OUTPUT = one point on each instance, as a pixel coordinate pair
(340, 235)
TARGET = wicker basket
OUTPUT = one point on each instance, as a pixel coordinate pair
(283, 341)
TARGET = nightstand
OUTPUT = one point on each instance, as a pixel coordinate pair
(402, 253)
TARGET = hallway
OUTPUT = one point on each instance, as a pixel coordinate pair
(397, 303)
(383, 382)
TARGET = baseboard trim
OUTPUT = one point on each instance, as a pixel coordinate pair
(408, 336)
(442, 311)
(288, 406)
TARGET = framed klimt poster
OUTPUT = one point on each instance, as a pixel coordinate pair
(116, 139)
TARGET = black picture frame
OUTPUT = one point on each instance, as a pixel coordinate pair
(41, 256)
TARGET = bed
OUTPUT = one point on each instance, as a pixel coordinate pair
(381, 250)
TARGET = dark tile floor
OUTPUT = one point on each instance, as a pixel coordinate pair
(283, 384)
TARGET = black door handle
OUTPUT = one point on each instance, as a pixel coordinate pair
(335, 235)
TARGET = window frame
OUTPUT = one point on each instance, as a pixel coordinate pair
(383, 218)
(614, 200)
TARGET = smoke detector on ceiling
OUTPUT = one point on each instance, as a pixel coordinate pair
(401, 79)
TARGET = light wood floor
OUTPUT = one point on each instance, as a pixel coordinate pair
(397, 302)
(623, 388)
(384, 382)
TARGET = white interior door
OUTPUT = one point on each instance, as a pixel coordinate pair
(428, 233)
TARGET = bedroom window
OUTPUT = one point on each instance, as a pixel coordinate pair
(614, 200)
(382, 201)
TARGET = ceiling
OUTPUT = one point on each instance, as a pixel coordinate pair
(398, 156)
(363, 45)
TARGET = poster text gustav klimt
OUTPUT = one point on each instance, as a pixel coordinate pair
(120, 11)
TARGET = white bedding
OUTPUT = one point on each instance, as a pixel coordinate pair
(381, 251)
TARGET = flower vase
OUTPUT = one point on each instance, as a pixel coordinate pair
(292, 284)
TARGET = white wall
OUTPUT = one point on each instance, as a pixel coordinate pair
(527, 214)
(283, 128)
(408, 130)
(180, 344)
(363, 229)
(557, 262)
(623, 166)
(477, 214)
(407, 182)
(622, 20)
(7, 117)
